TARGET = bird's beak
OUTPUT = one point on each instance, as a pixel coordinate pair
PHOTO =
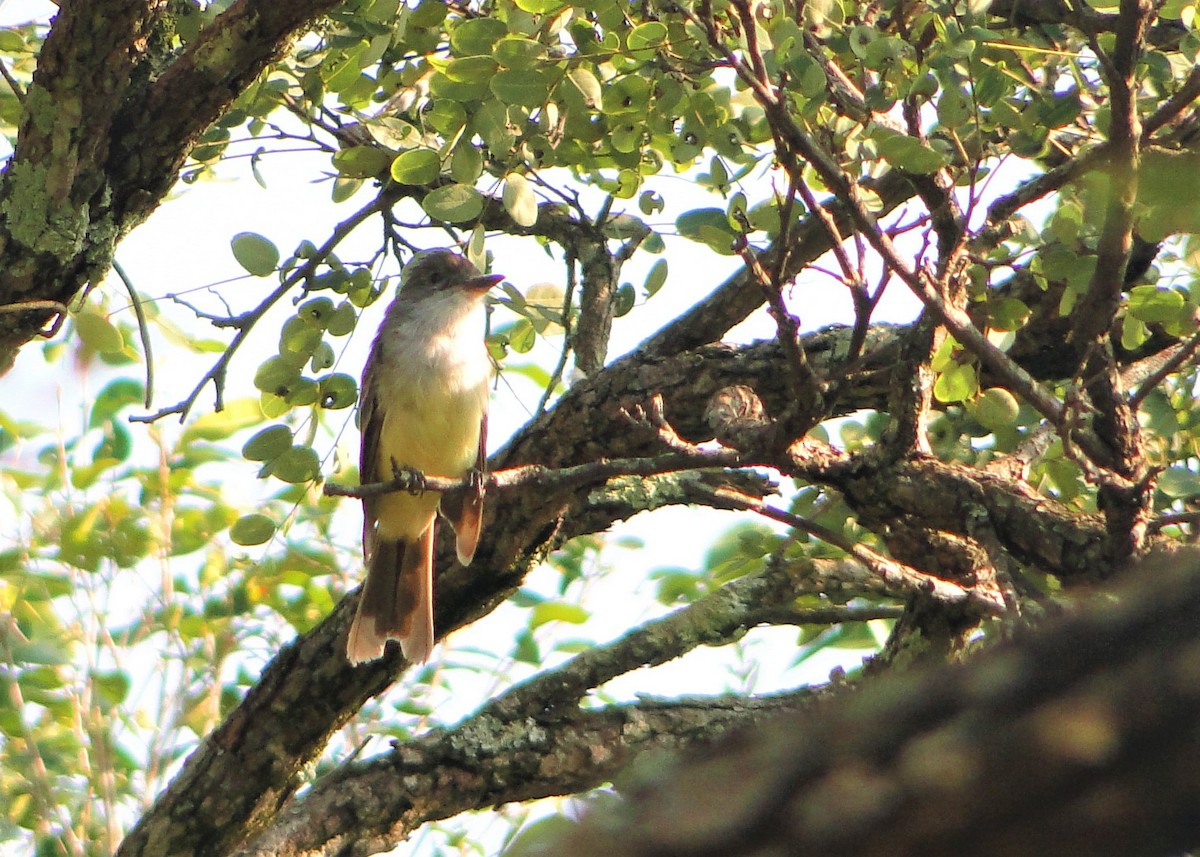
(484, 283)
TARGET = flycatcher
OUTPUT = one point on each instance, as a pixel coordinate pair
(424, 406)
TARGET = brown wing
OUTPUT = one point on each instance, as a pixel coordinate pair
(463, 510)
(370, 420)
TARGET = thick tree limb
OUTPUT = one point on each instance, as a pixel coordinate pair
(534, 740)
(369, 807)
(1078, 740)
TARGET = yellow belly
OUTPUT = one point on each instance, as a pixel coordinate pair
(434, 430)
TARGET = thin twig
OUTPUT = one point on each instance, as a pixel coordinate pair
(565, 354)
(143, 330)
(1188, 92)
(1186, 352)
(548, 479)
(59, 309)
(13, 83)
(246, 321)
(899, 578)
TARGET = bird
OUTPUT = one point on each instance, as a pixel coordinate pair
(423, 406)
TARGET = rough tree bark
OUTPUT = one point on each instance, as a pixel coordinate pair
(1079, 740)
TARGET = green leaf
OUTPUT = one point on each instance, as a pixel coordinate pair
(522, 336)
(1179, 483)
(624, 300)
(657, 278)
(298, 340)
(237, 415)
(428, 13)
(518, 52)
(1007, 313)
(540, 7)
(708, 226)
(316, 312)
(344, 188)
(996, 408)
(519, 200)
(956, 383)
(276, 374)
(116, 444)
(337, 391)
(455, 203)
(1151, 304)
(267, 444)
(587, 84)
(342, 321)
(98, 333)
(298, 465)
(477, 36)
(251, 530)
(1133, 333)
(447, 115)
(910, 154)
(521, 87)
(554, 611)
(526, 648)
(416, 167)
(627, 95)
(255, 253)
(322, 357)
(115, 396)
(471, 70)
(112, 687)
(361, 162)
(302, 392)
(645, 38)
(651, 202)
(466, 164)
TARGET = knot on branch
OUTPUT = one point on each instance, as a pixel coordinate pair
(738, 419)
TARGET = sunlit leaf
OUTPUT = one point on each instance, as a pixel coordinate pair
(454, 203)
(519, 200)
(258, 255)
(996, 408)
(116, 395)
(337, 391)
(360, 162)
(1179, 483)
(251, 530)
(522, 87)
(98, 333)
(217, 425)
(298, 465)
(268, 443)
(416, 167)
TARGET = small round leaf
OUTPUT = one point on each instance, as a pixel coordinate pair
(255, 253)
(996, 408)
(269, 443)
(251, 530)
(519, 200)
(416, 167)
(337, 391)
(454, 203)
(299, 464)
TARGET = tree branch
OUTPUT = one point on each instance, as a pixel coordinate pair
(1080, 739)
(368, 807)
